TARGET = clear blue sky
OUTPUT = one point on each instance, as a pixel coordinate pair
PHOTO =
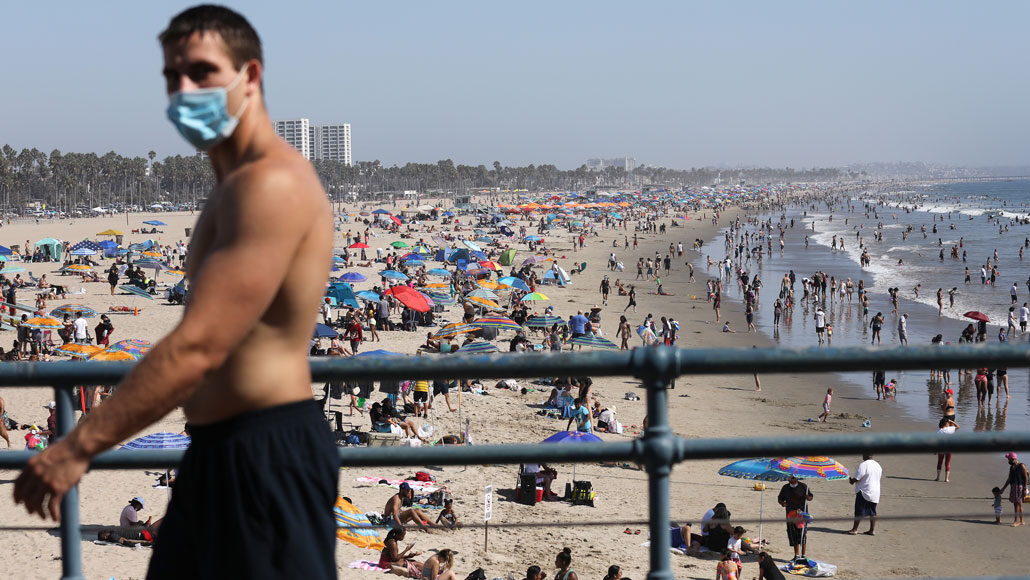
(674, 83)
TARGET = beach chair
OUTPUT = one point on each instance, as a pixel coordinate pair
(525, 486)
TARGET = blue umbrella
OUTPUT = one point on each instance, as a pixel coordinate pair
(393, 275)
(83, 252)
(377, 353)
(757, 469)
(477, 347)
(368, 295)
(5, 251)
(353, 277)
(448, 214)
(439, 272)
(159, 441)
(573, 437)
(414, 263)
(472, 246)
(441, 298)
(87, 244)
(514, 282)
(155, 223)
(136, 290)
(323, 331)
(380, 212)
(533, 238)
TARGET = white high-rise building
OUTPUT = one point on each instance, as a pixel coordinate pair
(317, 141)
(296, 132)
(331, 142)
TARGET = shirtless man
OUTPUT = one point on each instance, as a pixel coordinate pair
(255, 490)
(395, 517)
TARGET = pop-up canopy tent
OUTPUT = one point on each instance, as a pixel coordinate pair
(55, 247)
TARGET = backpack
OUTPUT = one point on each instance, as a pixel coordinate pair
(423, 476)
(477, 574)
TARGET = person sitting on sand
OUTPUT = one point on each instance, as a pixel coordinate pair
(396, 560)
(726, 327)
(395, 517)
(439, 566)
(683, 539)
(447, 517)
(431, 344)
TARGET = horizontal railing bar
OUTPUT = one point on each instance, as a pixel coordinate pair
(635, 450)
(637, 362)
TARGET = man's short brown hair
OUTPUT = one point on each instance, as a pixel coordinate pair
(239, 36)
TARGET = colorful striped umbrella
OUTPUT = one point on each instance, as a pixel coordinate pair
(106, 355)
(477, 347)
(159, 441)
(442, 298)
(352, 526)
(594, 341)
(485, 303)
(73, 310)
(811, 466)
(134, 346)
(759, 470)
(545, 321)
(498, 322)
(43, 322)
(78, 268)
(490, 264)
(455, 329)
(482, 293)
(533, 297)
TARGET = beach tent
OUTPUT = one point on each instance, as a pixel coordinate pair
(460, 254)
(110, 248)
(352, 526)
(556, 276)
(5, 251)
(507, 257)
(55, 247)
(343, 293)
(441, 254)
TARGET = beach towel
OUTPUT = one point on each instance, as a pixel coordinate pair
(423, 486)
(352, 526)
(366, 565)
(809, 567)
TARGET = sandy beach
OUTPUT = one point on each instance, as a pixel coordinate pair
(699, 407)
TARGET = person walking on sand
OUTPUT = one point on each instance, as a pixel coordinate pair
(945, 427)
(632, 299)
(867, 493)
(826, 405)
(876, 324)
(1016, 484)
(903, 329)
(237, 361)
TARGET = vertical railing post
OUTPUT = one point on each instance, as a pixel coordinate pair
(659, 449)
(71, 535)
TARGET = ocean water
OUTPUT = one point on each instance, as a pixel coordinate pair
(976, 218)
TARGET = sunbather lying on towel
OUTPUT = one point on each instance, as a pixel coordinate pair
(129, 536)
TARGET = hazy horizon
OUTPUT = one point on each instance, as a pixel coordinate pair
(749, 84)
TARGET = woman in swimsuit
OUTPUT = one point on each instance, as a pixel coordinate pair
(980, 380)
(563, 562)
(439, 566)
(949, 405)
(396, 560)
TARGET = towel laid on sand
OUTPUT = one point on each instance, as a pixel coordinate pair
(366, 565)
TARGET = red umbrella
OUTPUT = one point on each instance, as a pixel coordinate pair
(410, 297)
(977, 315)
(358, 246)
(395, 219)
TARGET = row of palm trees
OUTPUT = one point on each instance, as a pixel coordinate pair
(65, 182)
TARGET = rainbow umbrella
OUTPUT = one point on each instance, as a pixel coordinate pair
(498, 322)
(545, 321)
(811, 466)
(455, 329)
(594, 341)
(73, 310)
(133, 346)
(533, 297)
(106, 355)
(352, 526)
(758, 470)
(441, 298)
(43, 322)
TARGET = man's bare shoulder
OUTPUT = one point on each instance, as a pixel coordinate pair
(284, 181)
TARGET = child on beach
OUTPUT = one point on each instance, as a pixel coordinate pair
(997, 505)
(447, 517)
(826, 405)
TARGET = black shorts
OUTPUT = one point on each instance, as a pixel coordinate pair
(795, 535)
(420, 396)
(863, 507)
(253, 498)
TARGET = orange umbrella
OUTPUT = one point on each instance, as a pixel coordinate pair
(484, 302)
(108, 355)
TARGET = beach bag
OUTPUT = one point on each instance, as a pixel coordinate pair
(423, 476)
(477, 574)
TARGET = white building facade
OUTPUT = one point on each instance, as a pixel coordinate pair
(296, 132)
(330, 141)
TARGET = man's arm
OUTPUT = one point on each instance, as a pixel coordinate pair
(256, 235)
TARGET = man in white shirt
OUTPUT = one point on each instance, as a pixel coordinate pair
(820, 323)
(867, 492)
(1024, 315)
(81, 329)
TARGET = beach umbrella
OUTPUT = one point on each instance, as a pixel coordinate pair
(977, 315)
(490, 284)
(441, 298)
(352, 526)
(573, 438)
(107, 355)
(111, 233)
(411, 298)
(135, 290)
(89, 244)
(353, 277)
(472, 246)
(155, 223)
(359, 246)
(151, 264)
(393, 275)
(452, 330)
(82, 252)
(73, 310)
(477, 347)
(439, 272)
(482, 293)
(159, 441)
(11, 269)
(545, 321)
(513, 282)
(483, 302)
(134, 346)
(594, 341)
(758, 470)
(78, 350)
(381, 212)
(473, 270)
(5, 251)
(533, 297)
(438, 285)
(448, 214)
(414, 263)
(810, 466)
(78, 268)
(323, 331)
(396, 220)
(42, 322)
(499, 322)
(491, 265)
(399, 244)
(368, 295)
(377, 353)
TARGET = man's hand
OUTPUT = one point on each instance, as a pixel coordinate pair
(47, 477)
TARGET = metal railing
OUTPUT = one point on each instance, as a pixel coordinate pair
(658, 450)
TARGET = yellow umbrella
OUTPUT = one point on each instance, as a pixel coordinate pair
(79, 267)
(78, 350)
(107, 355)
(484, 302)
(437, 285)
(152, 254)
(490, 284)
(111, 233)
(43, 322)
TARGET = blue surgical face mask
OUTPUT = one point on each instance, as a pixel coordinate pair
(202, 116)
